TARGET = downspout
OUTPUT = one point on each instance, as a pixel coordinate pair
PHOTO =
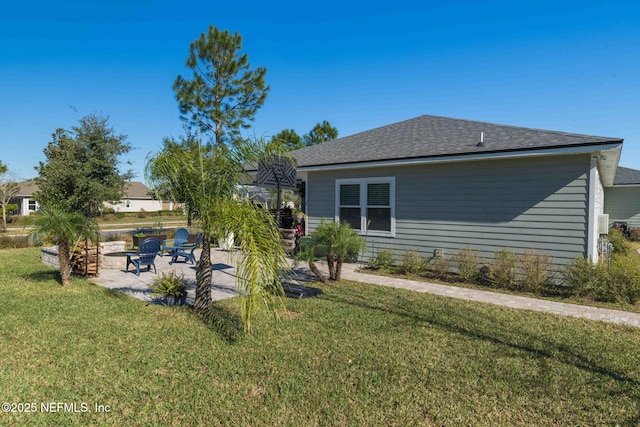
(592, 242)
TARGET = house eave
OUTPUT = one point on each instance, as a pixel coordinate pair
(608, 154)
(608, 159)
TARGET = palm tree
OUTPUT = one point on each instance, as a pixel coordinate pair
(208, 178)
(338, 239)
(64, 229)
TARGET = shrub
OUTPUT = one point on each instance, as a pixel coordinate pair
(7, 242)
(412, 262)
(467, 264)
(383, 260)
(581, 276)
(616, 238)
(535, 271)
(502, 271)
(440, 265)
(142, 213)
(625, 272)
(621, 283)
(484, 274)
(634, 234)
(114, 236)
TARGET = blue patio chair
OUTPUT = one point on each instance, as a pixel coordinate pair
(146, 256)
(186, 253)
(171, 245)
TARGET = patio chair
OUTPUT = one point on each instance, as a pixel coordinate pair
(186, 253)
(180, 238)
(146, 256)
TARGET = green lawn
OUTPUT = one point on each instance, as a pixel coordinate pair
(358, 355)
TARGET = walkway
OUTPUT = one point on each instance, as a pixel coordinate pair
(350, 272)
(224, 287)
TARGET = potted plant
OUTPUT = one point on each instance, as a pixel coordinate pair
(170, 288)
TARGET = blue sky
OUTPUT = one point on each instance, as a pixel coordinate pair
(559, 65)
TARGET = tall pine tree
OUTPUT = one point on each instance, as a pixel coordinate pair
(224, 93)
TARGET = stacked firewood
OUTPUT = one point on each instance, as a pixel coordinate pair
(85, 259)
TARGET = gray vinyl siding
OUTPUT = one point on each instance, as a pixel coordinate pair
(623, 204)
(488, 205)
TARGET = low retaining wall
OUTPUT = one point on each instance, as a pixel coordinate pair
(49, 255)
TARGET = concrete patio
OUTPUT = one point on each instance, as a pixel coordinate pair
(223, 281)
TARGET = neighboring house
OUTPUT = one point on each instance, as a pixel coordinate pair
(24, 198)
(439, 185)
(137, 198)
(622, 201)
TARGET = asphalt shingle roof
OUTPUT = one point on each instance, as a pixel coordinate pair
(27, 188)
(626, 176)
(137, 190)
(132, 189)
(433, 136)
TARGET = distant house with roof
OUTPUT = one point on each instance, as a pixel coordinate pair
(137, 197)
(438, 185)
(622, 200)
(24, 199)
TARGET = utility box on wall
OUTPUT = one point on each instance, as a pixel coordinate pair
(603, 224)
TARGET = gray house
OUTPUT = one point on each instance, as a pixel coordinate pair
(436, 184)
(622, 200)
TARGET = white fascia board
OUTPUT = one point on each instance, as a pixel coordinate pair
(470, 157)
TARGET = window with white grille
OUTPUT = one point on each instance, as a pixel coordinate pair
(367, 204)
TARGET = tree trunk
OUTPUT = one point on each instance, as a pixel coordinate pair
(314, 270)
(203, 277)
(339, 267)
(4, 217)
(64, 258)
(332, 266)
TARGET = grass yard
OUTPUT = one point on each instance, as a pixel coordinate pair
(358, 355)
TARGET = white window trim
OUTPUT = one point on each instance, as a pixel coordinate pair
(391, 180)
